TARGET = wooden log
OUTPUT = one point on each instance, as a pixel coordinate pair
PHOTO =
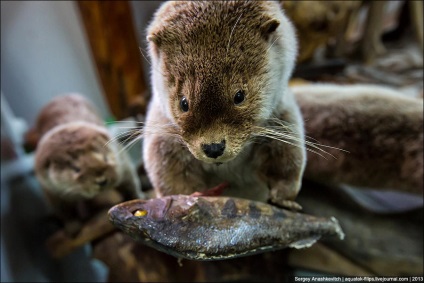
(371, 44)
(416, 10)
(321, 258)
(60, 244)
(384, 244)
(115, 49)
(131, 261)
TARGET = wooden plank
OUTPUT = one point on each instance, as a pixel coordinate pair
(110, 31)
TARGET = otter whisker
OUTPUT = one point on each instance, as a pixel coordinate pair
(131, 143)
(131, 136)
(281, 135)
(118, 136)
(282, 124)
(314, 144)
(308, 139)
(134, 136)
(155, 129)
(114, 139)
(285, 138)
(273, 134)
(284, 135)
(130, 127)
(287, 135)
(165, 131)
(150, 63)
(294, 133)
(285, 141)
(272, 44)
(231, 34)
(145, 58)
(132, 121)
(174, 135)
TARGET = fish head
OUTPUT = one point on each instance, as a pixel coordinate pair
(140, 218)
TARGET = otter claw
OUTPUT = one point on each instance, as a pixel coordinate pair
(288, 204)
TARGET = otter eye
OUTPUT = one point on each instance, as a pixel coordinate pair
(140, 213)
(76, 169)
(239, 97)
(184, 104)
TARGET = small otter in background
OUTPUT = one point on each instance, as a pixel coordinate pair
(221, 110)
(75, 160)
(380, 129)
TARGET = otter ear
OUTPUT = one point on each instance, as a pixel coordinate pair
(154, 38)
(155, 43)
(269, 27)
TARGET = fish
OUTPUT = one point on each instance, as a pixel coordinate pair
(217, 228)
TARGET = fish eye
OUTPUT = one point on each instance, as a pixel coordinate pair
(140, 213)
(184, 104)
(239, 97)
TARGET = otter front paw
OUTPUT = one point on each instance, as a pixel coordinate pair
(72, 227)
(283, 194)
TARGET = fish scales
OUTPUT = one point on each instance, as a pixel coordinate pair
(213, 228)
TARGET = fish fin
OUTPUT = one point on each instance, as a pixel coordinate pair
(339, 230)
(304, 243)
(201, 209)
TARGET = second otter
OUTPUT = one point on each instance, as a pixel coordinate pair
(220, 72)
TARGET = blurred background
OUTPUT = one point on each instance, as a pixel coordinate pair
(98, 49)
(46, 52)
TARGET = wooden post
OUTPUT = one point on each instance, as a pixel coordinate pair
(110, 30)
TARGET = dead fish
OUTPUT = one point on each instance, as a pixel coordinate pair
(215, 228)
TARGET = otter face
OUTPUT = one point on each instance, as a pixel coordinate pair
(75, 163)
(83, 175)
(214, 71)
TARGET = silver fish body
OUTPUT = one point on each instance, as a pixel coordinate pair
(214, 228)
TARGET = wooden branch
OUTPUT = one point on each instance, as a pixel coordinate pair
(416, 11)
(384, 244)
(60, 244)
(115, 49)
(325, 260)
(371, 44)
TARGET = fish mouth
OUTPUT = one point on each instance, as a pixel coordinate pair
(117, 215)
(123, 211)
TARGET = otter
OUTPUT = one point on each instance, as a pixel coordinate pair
(379, 128)
(66, 108)
(76, 159)
(221, 110)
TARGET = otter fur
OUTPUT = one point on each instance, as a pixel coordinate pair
(74, 160)
(380, 129)
(221, 105)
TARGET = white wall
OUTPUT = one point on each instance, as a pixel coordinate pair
(44, 52)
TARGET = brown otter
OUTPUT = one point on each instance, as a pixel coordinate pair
(75, 160)
(380, 128)
(220, 72)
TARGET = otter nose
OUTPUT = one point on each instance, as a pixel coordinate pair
(214, 150)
